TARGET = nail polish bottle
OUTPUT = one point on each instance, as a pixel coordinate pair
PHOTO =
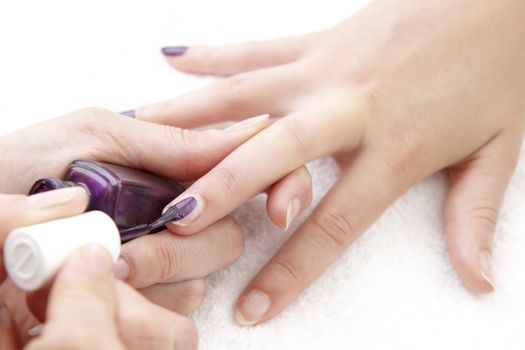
(134, 199)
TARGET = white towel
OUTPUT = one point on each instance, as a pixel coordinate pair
(394, 288)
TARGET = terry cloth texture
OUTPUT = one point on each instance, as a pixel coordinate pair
(394, 288)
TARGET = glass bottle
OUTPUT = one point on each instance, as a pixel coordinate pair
(133, 198)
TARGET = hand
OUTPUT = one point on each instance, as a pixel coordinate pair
(399, 91)
(89, 309)
(46, 149)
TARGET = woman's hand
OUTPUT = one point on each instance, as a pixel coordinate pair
(89, 309)
(397, 92)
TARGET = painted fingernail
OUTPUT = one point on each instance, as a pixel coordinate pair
(121, 269)
(184, 211)
(53, 198)
(131, 113)
(485, 263)
(248, 124)
(174, 50)
(293, 209)
(252, 308)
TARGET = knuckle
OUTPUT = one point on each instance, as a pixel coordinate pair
(286, 271)
(183, 140)
(335, 230)
(407, 146)
(485, 215)
(140, 325)
(236, 239)
(233, 91)
(293, 138)
(170, 257)
(227, 182)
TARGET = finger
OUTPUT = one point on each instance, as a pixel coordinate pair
(233, 98)
(351, 206)
(180, 297)
(19, 210)
(289, 197)
(37, 302)
(170, 151)
(144, 325)
(477, 188)
(82, 305)
(165, 257)
(257, 164)
(9, 336)
(237, 58)
(15, 300)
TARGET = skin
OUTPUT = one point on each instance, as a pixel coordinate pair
(397, 92)
(112, 314)
(164, 267)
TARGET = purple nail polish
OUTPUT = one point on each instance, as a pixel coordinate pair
(181, 209)
(134, 199)
(174, 50)
(131, 113)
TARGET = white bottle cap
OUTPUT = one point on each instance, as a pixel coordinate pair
(33, 254)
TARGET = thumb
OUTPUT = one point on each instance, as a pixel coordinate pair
(477, 188)
(82, 305)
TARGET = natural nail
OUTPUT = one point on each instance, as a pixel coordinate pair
(36, 330)
(485, 260)
(252, 308)
(293, 209)
(174, 50)
(248, 124)
(131, 113)
(184, 211)
(52, 198)
(121, 269)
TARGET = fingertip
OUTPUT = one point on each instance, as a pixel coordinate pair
(251, 308)
(473, 265)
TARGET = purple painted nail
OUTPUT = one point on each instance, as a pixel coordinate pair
(131, 113)
(174, 50)
(180, 210)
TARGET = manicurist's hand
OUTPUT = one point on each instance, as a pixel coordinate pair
(399, 91)
(166, 268)
(89, 309)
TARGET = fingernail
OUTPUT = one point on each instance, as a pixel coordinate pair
(174, 50)
(252, 309)
(35, 331)
(45, 200)
(485, 260)
(248, 124)
(121, 269)
(185, 210)
(293, 209)
(91, 258)
(131, 113)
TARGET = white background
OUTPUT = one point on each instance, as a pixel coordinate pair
(394, 289)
